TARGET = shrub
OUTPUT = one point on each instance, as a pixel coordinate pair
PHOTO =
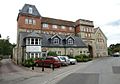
(29, 62)
(1, 57)
(82, 58)
(51, 53)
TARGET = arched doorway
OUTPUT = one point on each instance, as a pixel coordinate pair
(90, 50)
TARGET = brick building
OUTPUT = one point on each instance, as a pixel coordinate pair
(37, 35)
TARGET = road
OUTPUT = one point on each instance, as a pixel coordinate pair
(99, 71)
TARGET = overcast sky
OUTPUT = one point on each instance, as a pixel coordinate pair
(104, 13)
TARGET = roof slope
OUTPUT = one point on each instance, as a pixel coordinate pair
(57, 21)
(78, 43)
(26, 8)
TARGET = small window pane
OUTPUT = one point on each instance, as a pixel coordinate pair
(26, 21)
(36, 41)
(70, 41)
(63, 27)
(30, 21)
(34, 22)
(28, 41)
(32, 41)
(54, 26)
(30, 10)
(45, 25)
(56, 41)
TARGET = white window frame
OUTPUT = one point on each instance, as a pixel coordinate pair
(45, 25)
(30, 10)
(34, 22)
(56, 40)
(26, 21)
(70, 28)
(70, 41)
(30, 21)
(54, 26)
(63, 27)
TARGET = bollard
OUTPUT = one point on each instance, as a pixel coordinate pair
(42, 66)
(32, 66)
(53, 67)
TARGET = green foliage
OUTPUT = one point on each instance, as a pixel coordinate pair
(50, 53)
(6, 47)
(29, 62)
(1, 57)
(82, 58)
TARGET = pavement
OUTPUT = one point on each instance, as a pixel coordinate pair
(99, 71)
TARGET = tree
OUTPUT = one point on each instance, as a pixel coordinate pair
(6, 47)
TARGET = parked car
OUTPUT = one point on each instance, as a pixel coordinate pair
(72, 61)
(64, 60)
(117, 54)
(49, 61)
(69, 60)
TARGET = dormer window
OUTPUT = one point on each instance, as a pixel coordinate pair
(56, 40)
(70, 41)
(33, 41)
(30, 10)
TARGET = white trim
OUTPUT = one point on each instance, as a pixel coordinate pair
(69, 37)
(56, 35)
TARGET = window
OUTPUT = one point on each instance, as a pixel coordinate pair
(70, 41)
(80, 52)
(84, 29)
(32, 41)
(34, 22)
(89, 35)
(26, 21)
(30, 10)
(56, 41)
(63, 27)
(59, 52)
(84, 51)
(45, 25)
(70, 28)
(30, 21)
(36, 41)
(87, 29)
(54, 26)
(32, 55)
(85, 34)
(39, 42)
(28, 41)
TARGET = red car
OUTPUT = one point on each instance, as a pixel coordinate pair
(50, 61)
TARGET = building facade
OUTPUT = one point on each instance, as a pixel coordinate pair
(37, 35)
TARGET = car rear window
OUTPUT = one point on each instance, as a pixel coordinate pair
(56, 58)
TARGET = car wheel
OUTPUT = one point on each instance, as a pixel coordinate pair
(51, 65)
(37, 64)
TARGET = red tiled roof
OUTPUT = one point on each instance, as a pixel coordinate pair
(57, 21)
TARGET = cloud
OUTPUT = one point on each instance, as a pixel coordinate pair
(114, 23)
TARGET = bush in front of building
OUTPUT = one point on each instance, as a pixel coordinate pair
(51, 53)
(1, 57)
(29, 62)
(82, 58)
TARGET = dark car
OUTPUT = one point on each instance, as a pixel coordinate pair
(50, 61)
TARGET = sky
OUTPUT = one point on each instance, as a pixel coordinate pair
(104, 13)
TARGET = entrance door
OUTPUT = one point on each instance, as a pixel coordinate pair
(90, 50)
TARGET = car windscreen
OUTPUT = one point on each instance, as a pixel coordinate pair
(56, 58)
